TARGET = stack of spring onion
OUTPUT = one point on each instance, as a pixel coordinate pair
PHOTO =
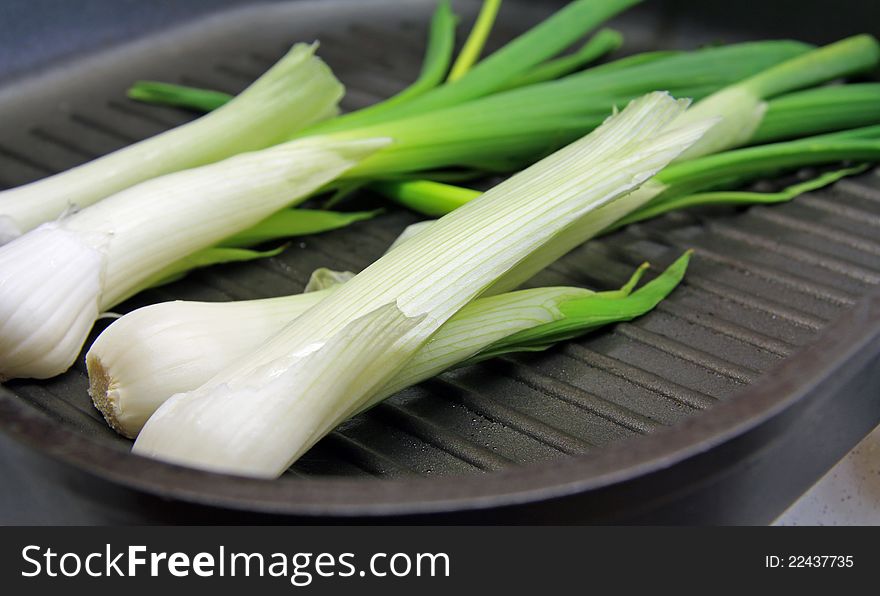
(253, 383)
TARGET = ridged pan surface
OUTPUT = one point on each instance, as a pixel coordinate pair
(764, 282)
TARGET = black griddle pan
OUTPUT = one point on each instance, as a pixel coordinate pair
(721, 406)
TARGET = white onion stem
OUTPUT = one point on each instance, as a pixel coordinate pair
(136, 234)
(297, 91)
(258, 416)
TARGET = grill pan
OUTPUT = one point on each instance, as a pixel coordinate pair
(721, 406)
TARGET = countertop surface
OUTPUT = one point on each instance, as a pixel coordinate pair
(849, 494)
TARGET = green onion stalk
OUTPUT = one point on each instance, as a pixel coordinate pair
(510, 129)
(157, 351)
(296, 92)
(258, 416)
(506, 131)
(795, 114)
(701, 182)
(742, 106)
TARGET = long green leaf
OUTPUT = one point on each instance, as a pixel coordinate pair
(743, 165)
(605, 41)
(438, 55)
(205, 258)
(181, 96)
(538, 44)
(473, 45)
(852, 55)
(708, 199)
(583, 314)
(634, 60)
(289, 223)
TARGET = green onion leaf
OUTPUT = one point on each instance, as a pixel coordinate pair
(205, 258)
(181, 96)
(438, 55)
(533, 47)
(604, 42)
(150, 354)
(296, 222)
(583, 314)
(431, 198)
(473, 45)
(707, 199)
(511, 129)
(282, 225)
(738, 166)
(814, 111)
(742, 106)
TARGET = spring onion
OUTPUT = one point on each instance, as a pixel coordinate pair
(738, 166)
(55, 280)
(538, 126)
(298, 91)
(742, 106)
(797, 114)
(680, 185)
(258, 416)
(156, 351)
